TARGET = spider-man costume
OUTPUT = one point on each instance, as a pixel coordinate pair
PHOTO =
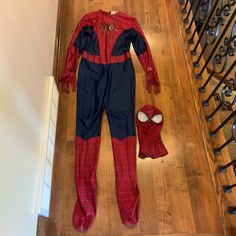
(106, 81)
(149, 121)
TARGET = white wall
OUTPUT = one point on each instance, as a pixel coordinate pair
(27, 34)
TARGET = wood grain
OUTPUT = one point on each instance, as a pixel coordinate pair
(177, 192)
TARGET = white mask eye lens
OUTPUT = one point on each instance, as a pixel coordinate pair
(142, 117)
(157, 118)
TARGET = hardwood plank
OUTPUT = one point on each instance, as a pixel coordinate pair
(201, 234)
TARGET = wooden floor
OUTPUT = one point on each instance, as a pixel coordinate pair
(177, 195)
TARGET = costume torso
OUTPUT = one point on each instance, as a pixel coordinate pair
(104, 38)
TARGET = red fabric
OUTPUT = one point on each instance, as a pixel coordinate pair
(149, 134)
(102, 60)
(87, 152)
(124, 152)
(119, 22)
(148, 64)
(68, 77)
(151, 73)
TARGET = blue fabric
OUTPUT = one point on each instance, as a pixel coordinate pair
(109, 87)
(87, 40)
(124, 41)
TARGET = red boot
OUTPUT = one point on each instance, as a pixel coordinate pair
(124, 152)
(87, 152)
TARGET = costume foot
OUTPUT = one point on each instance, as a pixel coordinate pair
(82, 222)
(130, 222)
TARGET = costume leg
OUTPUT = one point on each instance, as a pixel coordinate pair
(120, 109)
(90, 96)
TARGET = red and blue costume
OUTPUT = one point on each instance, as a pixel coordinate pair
(106, 81)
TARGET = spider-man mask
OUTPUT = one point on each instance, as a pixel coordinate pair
(149, 120)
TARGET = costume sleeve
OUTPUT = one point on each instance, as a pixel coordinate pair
(143, 52)
(68, 77)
